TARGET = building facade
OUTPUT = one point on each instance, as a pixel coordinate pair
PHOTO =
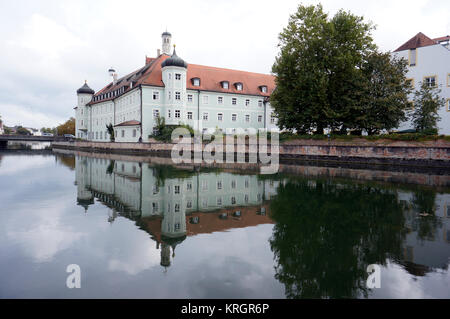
(206, 98)
(429, 62)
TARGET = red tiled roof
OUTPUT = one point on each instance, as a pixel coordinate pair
(129, 123)
(210, 79)
(446, 38)
(418, 41)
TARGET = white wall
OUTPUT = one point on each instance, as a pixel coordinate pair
(431, 61)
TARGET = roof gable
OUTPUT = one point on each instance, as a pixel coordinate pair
(418, 41)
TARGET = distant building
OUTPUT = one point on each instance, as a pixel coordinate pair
(33, 131)
(429, 62)
(206, 98)
(2, 130)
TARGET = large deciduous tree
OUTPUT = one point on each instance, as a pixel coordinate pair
(323, 74)
(385, 94)
(67, 128)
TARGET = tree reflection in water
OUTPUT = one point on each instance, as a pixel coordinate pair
(327, 233)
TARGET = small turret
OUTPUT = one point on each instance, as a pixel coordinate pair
(166, 42)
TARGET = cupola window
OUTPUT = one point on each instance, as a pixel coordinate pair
(225, 85)
(238, 86)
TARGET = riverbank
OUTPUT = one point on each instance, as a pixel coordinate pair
(381, 152)
(435, 178)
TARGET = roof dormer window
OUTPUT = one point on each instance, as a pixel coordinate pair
(225, 85)
(263, 88)
(196, 81)
(238, 86)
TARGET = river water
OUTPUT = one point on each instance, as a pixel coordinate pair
(142, 229)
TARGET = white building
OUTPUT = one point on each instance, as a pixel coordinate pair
(429, 62)
(206, 98)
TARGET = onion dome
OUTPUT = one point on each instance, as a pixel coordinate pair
(85, 89)
(174, 60)
(166, 33)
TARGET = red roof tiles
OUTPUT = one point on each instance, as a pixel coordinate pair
(129, 123)
(210, 80)
(418, 41)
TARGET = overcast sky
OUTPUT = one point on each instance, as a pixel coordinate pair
(48, 48)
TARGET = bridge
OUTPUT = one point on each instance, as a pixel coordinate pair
(4, 139)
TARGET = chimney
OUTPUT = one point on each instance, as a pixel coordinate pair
(115, 78)
(158, 52)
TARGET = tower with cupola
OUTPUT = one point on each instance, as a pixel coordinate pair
(174, 72)
(84, 96)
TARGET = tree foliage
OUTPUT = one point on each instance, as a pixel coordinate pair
(427, 103)
(67, 128)
(385, 94)
(110, 129)
(324, 73)
(163, 132)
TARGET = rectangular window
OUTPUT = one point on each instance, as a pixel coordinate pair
(169, 114)
(234, 117)
(155, 95)
(412, 57)
(272, 119)
(190, 98)
(177, 189)
(205, 99)
(448, 105)
(233, 184)
(177, 76)
(219, 185)
(430, 81)
(189, 186)
(247, 102)
(101, 135)
(155, 114)
(448, 80)
(205, 116)
(177, 96)
(123, 133)
(177, 114)
(259, 118)
(134, 133)
(234, 101)
(189, 115)
(220, 100)
(219, 201)
(260, 103)
(247, 118)
(219, 116)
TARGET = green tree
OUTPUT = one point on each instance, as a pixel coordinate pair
(110, 129)
(427, 103)
(385, 94)
(48, 130)
(22, 131)
(318, 70)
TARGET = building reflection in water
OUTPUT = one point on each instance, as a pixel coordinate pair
(325, 231)
(171, 204)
